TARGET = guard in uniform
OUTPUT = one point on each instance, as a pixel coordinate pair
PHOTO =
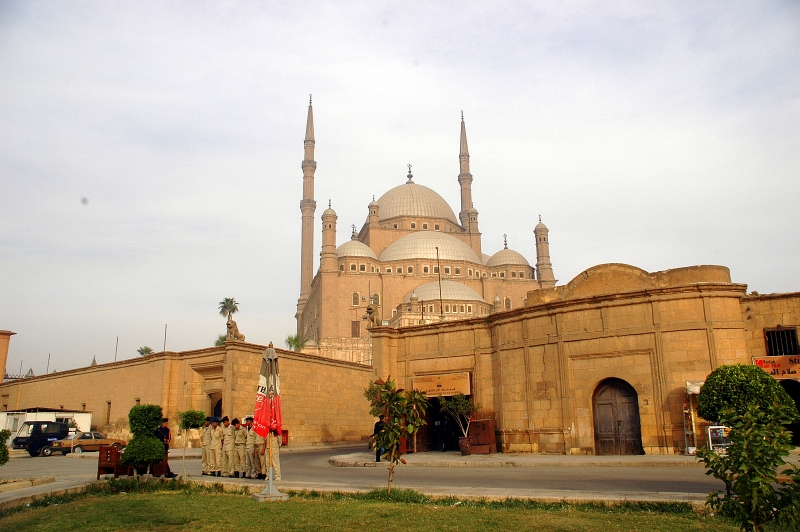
(260, 460)
(276, 457)
(239, 441)
(249, 450)
(228, 454)
(215, 448)
(205, 438)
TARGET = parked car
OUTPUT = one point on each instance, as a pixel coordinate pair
(37, 436)
(85, 441)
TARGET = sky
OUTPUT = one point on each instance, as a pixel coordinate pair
(150, 151)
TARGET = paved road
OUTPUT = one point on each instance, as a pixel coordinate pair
(310, 470)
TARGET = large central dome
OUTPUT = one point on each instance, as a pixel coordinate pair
(411, 199)
(423, 244)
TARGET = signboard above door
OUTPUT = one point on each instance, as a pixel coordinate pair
(444, 385)
(780, 367)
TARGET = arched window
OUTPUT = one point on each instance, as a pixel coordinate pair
(356, 299)
(424, 269)
(469, 309)
(410, 269)
(508, 303)
(376, 299)
(352, 267)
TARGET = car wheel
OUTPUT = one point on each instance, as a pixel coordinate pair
(47, 451)
(77, 449)
(33, 452)
(64, 453)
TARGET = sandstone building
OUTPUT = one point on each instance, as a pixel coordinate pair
(597, 365)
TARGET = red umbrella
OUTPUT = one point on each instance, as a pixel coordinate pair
(268, 415)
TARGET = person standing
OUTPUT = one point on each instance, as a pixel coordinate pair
(276, 457)
(228, 453)
(205, 435)
(375, 430)
(258, 455)
(249, 449)
(239, 442)
(215, 448)
(165, 435)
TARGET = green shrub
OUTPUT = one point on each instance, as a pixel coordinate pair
(143, 451)
(739, 386)
(5, 434)
(749, 466)
(144, 419)
(192, 419)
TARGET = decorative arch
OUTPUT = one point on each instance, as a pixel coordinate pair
(617, 426)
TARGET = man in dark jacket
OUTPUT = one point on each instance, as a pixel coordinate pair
(379, 427)
(163, 433)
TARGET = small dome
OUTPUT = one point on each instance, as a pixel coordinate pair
(507, 256)
(411, 199)
(328, 212)
(423, 244)
(485, 258)
(354, 248)
(451, 290)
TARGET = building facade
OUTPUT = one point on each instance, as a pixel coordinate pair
(599, 365)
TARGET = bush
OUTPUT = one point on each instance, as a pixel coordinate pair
(143, 451)
(739, 386)
(754, 495)
(145, 419)
(5, 434)
(192, 419)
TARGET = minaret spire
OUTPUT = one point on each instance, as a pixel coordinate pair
(464, 177)
(307, 208)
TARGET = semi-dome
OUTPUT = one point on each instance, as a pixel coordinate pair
(507, 257)
(451, 290)
(412, 199)
(354, 248)
(485, 258)
(423, 244)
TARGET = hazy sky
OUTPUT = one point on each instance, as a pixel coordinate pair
(658, 134)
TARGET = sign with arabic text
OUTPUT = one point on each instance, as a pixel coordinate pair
(787, 367)
(445, 385)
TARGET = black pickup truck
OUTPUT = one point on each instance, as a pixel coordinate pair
(36, 437)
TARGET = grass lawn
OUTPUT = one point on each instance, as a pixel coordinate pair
(195, 509)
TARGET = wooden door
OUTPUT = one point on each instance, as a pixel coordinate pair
(617, 429)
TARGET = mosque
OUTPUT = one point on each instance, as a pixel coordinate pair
(608, 363)
(413, 262)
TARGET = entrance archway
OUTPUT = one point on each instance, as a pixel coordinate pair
(617, 429)
(793, 389)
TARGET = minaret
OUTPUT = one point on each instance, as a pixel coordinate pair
(328, 258)
(307, 208)
(544, 270)
(465, 179)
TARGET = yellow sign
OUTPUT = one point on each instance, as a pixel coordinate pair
(780, 367)
(444, 385)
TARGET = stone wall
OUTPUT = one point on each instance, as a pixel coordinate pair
(535, 370)
(322, 398)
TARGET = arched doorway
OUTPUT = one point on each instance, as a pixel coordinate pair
(617, 429)
(793, 389)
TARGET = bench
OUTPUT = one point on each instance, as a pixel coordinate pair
(109, 463)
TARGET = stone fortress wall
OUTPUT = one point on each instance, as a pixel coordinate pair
(535, 369)
(322, 398)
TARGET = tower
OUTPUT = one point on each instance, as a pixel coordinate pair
(468, 215)
(307, 208)
(544, 270)
(328, 259)
(465, 180)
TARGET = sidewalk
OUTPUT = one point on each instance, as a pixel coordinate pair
(454, 459)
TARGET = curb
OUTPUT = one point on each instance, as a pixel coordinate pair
(344, 461)
(25, 483)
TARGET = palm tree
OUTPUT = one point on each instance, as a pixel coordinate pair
(294, 342)
(228, 307)
(220, 340)
(144, 350)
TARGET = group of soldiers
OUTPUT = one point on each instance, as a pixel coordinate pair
(235, 450)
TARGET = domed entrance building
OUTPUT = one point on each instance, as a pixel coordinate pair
(413, 261)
